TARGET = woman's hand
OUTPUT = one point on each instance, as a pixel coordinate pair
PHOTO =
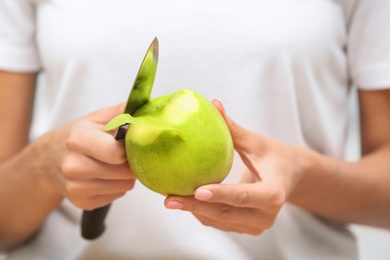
(338, 190)
(87, 165)
(273, 171)
(78, 161)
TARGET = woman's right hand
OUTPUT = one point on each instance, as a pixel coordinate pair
(86, 164)
(78, 161)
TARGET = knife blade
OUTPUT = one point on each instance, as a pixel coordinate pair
(92, 222)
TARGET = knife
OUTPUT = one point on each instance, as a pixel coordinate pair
(92, 222)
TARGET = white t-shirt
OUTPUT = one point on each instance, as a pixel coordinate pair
(280, 67)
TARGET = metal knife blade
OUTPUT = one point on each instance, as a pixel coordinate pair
(143, 83)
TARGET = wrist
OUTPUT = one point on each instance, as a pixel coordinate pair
(27, 193)
(307, 160)
(43, 170)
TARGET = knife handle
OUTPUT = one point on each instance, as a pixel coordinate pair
(92, 221)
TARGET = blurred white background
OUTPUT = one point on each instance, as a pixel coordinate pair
(374, 244)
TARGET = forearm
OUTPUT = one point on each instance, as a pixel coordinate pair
(355, 192)
(26, 196)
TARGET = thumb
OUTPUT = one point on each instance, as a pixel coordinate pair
(106, 114)
(243, 139)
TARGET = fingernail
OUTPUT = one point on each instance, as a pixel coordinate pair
(220, 103)
(174, 204)
(203, 194)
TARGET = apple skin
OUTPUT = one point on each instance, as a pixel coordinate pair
(196, 149)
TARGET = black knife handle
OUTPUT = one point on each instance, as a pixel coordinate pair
(92, 222)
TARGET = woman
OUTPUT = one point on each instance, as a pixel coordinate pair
(283, 69)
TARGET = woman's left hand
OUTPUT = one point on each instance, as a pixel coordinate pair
(274, 170)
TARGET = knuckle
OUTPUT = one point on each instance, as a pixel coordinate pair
(192, 207)
(242, 198)
(224, 213)
(70, 167)
(278, 199)
(72, 141)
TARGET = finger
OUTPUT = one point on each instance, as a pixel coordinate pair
(242, 229)
(260, 195)
(81, 167)
(86, 138)
(243, 139)
(222, 215)
(250, 145)
(220, 211)
(219, 106)
(79, 190)
(104, 115)
(97, 201)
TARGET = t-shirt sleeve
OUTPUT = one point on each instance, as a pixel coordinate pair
(369, 45)
(18, 51)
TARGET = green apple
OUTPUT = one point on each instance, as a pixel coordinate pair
(176, 143)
